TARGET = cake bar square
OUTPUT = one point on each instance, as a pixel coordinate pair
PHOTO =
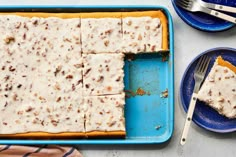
(103, 74)
(105, 113)
(141, 34)
(68, 116)
(219, 88)
(101, 35)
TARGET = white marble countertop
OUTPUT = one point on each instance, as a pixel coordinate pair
(189, 42)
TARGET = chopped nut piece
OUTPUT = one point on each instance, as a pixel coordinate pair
(18, 86)
(17, 121)
(6, 77)
(100, 79)
(139, 37)
(210, 93)
(9, 39)
(147, 27)
(153, 47)
(129, 23)
(18, 24)
(77, 65)
(15, 97)
(58, 99)
(220, 99)
(88, 70)
(29, 109)
(87, 85)
(42, 123)
(110, 124)
(69, 77)
(109, 88)
(11, 69)
(108, 31)
(57, 87)
(106, 43)
(73, 87)
(58, 69)
(20, 112)
(6, 103)
(35, 22)
(42, 99)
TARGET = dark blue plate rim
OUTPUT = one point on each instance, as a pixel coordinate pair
(181, 91)
(207, 29)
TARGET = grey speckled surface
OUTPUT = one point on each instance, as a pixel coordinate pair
(188, 43)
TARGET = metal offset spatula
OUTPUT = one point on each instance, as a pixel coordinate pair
(199, 75)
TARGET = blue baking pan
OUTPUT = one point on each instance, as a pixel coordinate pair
(149, 117)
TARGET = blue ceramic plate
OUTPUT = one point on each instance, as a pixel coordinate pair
(204, 116)
(203, 21)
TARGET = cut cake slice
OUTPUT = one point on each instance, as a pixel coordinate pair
(103, 74)
(219, 88)
(101, 35)
(141, 34)
(105, 115)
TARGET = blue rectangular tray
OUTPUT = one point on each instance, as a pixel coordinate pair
(150, 117)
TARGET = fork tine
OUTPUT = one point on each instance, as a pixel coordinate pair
(199, 63)
(186, 4)
(182, 3)
(201, 70)
(202, 63)
(207, 61)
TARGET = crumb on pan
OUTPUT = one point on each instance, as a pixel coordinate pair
(130, 57)
(164, 56)
(164, 94)
(129, 93)
(158, 127)
(140, 91)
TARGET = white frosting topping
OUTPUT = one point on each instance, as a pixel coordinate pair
(103, 74)
(41, 75)
(102, 35)
(41, 71)
(219, 90)
(141, 34)
(105, 113)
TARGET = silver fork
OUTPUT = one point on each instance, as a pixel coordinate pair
(194, 6)
(217, 6)
(199, 75)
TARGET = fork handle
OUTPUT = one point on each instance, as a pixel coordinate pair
(189, 118)
(221, 7)
(220, 15)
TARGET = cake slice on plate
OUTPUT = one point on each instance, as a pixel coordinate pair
(219, 88)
